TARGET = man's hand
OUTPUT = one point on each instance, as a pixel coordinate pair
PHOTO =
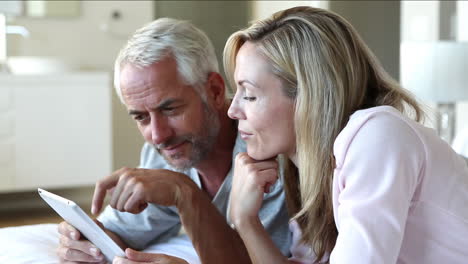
(134, 257)
(133, 189)
(73, 248)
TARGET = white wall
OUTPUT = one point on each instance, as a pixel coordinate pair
(421, 21)
(80, 39)
(462, 20)
(462, 35)
(263, 9)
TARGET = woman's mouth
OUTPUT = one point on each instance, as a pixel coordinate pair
(245, 135)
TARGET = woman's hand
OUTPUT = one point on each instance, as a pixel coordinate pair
(251, 180)
(133, 189)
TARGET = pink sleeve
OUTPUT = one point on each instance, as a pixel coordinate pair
(379, 159)
(299, 252)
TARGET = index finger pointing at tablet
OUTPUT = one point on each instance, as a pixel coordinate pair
(101, 189)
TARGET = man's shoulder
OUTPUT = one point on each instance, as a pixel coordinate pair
(151, 159)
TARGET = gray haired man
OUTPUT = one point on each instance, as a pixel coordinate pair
(167, 77)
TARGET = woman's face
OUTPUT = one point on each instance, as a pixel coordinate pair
(265, 114)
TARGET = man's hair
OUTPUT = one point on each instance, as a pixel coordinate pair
(330, 73)
(190, 47)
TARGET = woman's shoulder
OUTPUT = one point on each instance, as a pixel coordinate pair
(383, 113)
(377, 127)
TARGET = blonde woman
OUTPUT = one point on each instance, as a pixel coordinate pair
(366, 182)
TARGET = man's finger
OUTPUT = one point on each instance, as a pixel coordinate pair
(142, 257)
(81, 245)
(101, 188)
(124, 194)
(120, 189)
(135, 203)
(146, 257)
(120, 260)
(68, 230)
(70, 254)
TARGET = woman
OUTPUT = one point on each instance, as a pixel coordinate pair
(366, 182)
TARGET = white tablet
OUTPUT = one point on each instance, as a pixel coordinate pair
(75, 216)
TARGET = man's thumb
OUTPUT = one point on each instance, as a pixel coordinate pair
(139, 256)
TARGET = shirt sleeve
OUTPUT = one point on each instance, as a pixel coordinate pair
(300, 253)
(155, 224)
(379, 161)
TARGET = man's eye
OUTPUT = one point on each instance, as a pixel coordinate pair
(249, 98)
(169, 110)
(139, 118)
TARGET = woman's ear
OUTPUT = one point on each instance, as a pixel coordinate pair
(215, 90)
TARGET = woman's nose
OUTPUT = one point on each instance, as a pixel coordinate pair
(234, 111)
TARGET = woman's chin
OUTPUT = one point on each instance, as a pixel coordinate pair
(258, 155)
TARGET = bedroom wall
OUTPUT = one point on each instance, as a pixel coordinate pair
(462, 35)
(433, 21)
(378, 23)
(82, 40)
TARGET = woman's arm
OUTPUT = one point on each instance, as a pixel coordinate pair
(259, 245)
(251, 180)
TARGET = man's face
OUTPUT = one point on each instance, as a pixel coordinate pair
(170, 114)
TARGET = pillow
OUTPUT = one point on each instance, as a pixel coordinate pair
(29, 244)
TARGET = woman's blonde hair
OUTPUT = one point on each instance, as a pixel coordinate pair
(331, 73)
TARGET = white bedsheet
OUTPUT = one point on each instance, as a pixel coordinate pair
(36, 244)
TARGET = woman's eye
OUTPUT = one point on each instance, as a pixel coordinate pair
(249, 98)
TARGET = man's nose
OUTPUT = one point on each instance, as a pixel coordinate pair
(160, 130)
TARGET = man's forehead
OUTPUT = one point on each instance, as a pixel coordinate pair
(150, 80)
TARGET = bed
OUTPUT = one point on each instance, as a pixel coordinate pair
(36, 244)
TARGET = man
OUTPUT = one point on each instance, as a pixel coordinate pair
(167, 77)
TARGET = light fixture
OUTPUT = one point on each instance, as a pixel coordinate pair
(437, 72)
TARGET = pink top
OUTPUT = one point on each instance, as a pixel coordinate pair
(400, 194)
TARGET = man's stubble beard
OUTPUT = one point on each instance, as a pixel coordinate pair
(202, 141)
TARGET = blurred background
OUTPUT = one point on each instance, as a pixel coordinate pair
(62, 127)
